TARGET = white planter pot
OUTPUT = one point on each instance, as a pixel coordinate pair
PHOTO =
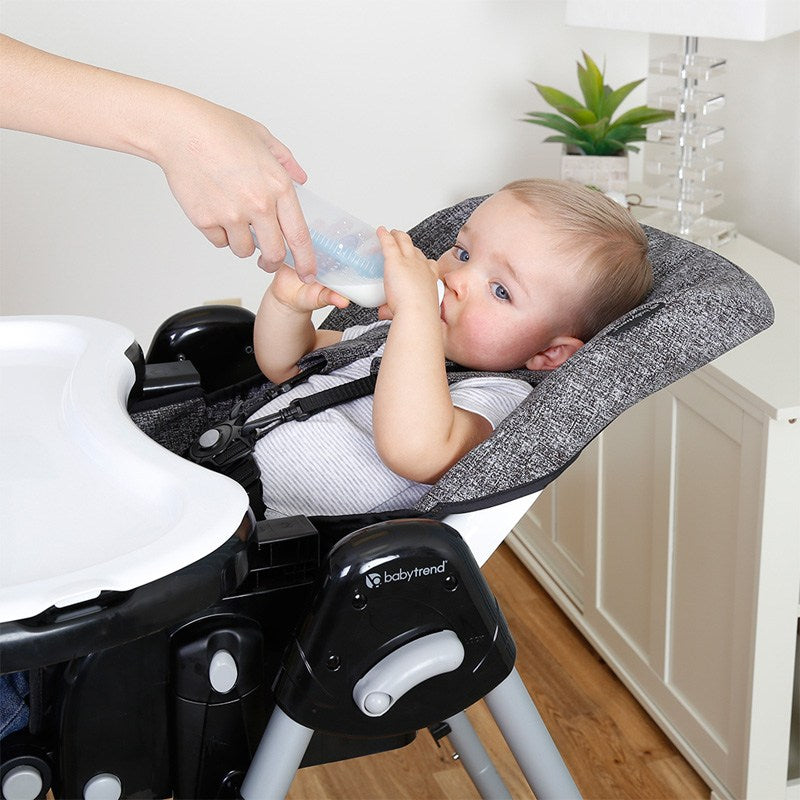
(607, 173)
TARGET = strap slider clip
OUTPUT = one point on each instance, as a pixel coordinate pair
(295, 411)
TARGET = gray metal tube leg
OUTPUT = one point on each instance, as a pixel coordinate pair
(529, 740)
(277, 758)
(475, 759)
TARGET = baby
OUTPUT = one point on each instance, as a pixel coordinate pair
(537, 270)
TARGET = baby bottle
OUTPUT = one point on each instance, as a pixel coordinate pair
(349, 257)
(348, 251)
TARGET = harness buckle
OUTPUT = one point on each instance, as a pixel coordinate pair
(220, 447)
(229, 451)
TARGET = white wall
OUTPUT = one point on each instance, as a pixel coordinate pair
(394, 107)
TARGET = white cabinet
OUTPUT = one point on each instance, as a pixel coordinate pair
(673, 543)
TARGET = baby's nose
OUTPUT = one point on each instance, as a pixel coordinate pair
(455, 280)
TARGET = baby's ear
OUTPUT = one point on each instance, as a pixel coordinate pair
(555, 354)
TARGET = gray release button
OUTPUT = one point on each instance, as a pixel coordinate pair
(209, 438)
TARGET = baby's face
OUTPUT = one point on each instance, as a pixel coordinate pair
(508, 293)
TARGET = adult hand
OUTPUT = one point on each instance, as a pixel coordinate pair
(229, 173)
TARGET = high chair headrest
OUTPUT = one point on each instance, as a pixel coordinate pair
(701, 306)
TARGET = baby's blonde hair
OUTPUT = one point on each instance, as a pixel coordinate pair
(607, 243)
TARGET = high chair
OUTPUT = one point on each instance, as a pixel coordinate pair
(163, 625)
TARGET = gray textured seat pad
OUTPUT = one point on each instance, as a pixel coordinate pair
(700, 307)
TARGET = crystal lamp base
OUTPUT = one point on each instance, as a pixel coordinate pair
(704, 231)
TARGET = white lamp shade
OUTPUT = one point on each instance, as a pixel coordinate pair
(749, 20)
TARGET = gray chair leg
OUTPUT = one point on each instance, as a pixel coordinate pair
(277, 758)
(475, 759)
(529, 740)
(284, 743)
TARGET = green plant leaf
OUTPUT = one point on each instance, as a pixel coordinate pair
(626, 133)
(642, 115)
(581, 116)
(570, 142)
(565, 104)
(556, 98)
(611, 147)
(553, 121)
(589, 149)
(584, 148)
(591, 127)
(615, 97)
(591, 82)
(580, 135)
(596, 131)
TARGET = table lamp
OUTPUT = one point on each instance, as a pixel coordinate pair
(685, 160)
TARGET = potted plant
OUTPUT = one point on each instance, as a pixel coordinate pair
(595, 144)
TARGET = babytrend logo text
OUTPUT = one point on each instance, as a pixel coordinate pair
(375, 579)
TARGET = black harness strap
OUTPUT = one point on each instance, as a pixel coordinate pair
(227, 448)
(305, 407)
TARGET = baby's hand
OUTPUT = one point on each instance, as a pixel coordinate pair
(409, 278)
(290, 291)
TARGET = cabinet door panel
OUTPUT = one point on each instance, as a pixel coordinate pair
(560, 524)
(625, 541)
(677, 502)
(707, 466)
(715, 453)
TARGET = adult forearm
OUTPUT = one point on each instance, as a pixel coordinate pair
(45, 94)
(229, 174)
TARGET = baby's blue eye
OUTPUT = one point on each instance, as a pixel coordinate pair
(460, 253)
(500, 291)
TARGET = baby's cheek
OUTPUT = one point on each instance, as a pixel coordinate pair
(478, 336)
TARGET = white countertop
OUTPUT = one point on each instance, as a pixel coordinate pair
(767, 367)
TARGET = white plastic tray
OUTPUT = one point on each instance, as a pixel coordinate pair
(87, 501)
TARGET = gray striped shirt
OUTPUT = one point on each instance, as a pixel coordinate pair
(327, 465)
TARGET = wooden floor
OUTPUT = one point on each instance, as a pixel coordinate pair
(612, 748)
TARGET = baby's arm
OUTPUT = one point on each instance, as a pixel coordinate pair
(284, 332)
(419, 434)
